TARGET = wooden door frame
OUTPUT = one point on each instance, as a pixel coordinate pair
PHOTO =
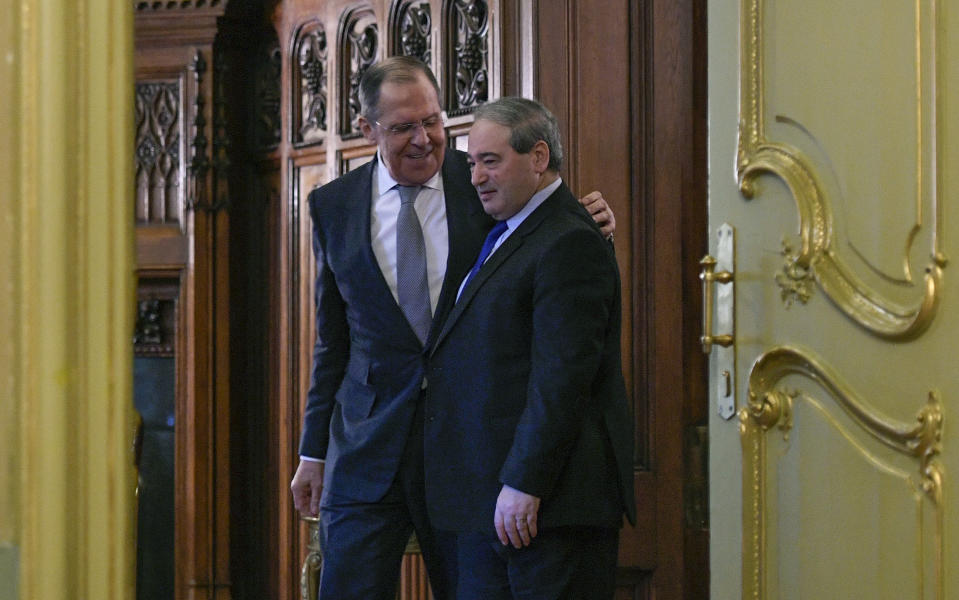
(659, 196)
(662, 221)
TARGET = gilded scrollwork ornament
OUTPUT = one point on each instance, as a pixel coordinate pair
(313, 563)
(771, 409)
(795, 281)
(816, 258)
(769, 405)
(927, 445)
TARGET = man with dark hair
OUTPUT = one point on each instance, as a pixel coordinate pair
(392, 241)
(527, 408)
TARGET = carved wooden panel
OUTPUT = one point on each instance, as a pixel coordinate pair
(467, 42)
(222, 140)
(358, 49)
(310, 73)
(199, 161)
(158, 170)
(155, 332)
(171, 5)
(267, 70)
(626, 81)
(184, 149)
(411, 28)
(326, 48)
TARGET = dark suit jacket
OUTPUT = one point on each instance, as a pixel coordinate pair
(526, 385)
(368, 364)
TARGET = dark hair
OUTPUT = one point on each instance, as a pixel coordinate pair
(529, 122)
(395, 69)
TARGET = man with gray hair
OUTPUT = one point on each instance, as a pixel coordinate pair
(528, 429)
(392, 240)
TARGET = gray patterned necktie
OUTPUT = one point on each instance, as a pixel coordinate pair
(412, 287)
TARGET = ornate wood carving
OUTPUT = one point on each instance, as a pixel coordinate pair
(412, 25)
(199, 163)
(189, 47)
(266, 81)
(467, 82)
(221, 137)
(158, 153)
(155, 332)
(358, 44)
(309, 84)
(817, 259)
(173, 5)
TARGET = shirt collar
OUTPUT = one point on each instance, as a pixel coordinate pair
(385, 181)
(534, 202)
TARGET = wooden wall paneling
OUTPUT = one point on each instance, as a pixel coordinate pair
(678, 209)
(174, 43)
(585, 75)
(695, 368)
(453, 37)
(205, 445)
(248, 95)
(301, 58)
(279, 519)
(624, 79)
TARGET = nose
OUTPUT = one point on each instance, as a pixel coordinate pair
(418, 136)
(478, 175)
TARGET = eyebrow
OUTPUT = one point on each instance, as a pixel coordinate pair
(426, 118)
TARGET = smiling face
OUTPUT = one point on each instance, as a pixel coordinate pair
(416, 154)
(504, 178)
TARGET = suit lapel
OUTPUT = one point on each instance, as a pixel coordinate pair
(496, 260)
(360, 228)
(467, 226)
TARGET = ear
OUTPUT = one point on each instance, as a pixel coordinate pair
(540, 156)
(368, 130)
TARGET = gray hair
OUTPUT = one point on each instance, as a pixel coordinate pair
(529, 122)
(395, 69)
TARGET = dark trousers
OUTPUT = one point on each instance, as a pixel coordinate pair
(562, 563)
(363, 542)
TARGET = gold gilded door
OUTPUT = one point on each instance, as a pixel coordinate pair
(833, 142)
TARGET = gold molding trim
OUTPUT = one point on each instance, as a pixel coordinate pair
(757, 155)
(769, 407)
(795, 281)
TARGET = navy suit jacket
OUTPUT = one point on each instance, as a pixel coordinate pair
(368, 364)
(526, 384)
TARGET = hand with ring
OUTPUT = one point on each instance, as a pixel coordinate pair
(515, 517)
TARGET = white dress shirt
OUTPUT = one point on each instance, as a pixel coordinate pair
(430, 207)
(516, 220)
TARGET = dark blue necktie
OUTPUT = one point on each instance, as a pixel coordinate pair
(494, 234)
